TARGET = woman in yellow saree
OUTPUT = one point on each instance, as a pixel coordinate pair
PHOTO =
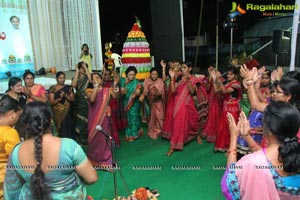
(10, 111)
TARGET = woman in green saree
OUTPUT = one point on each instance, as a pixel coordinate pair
(131, 89)
(80, 81)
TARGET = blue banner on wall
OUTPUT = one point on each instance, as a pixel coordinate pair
(16, 54)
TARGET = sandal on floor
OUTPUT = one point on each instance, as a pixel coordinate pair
(199, 139)
(170, 152)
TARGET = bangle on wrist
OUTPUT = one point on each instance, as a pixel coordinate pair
(248, 81)
(244, 136)
(253, 145)
(233, 151)
(116, 89)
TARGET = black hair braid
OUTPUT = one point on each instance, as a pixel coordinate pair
(39, 189)
(289, 155)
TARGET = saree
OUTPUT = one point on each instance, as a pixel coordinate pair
(245, 104)
(132, 108)
(9, 137)
(81, 110)
(63, 113)
(63, 183)
(157, 105)
(99, 147)
(231, 105)
(117, 112)
(201, 101)
(167, 127)
(255, 120)
(37, 90)
(254, 177)
(214, 109)
(185, 121)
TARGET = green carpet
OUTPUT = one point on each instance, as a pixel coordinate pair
(167, 175)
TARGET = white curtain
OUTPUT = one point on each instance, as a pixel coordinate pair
(294, 35)
(60, 27)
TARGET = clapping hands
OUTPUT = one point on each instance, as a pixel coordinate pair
(242, 127)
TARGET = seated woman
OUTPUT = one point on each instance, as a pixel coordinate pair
(45, 166)
(10, 111)
(273, 172)
(34, 92)
(15, 90)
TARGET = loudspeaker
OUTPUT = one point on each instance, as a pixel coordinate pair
(281, 41)
(167, 30)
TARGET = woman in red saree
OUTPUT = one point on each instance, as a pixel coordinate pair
(214, 109)
(232, 94)
(116, 105)
(155, 91)
(99, 113)
(167, 127)
(185, 118)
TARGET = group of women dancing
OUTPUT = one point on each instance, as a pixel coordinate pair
(264, 149)
(183, 107)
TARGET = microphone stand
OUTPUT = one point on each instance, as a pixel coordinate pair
(115, 165)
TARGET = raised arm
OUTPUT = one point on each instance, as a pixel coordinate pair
(115, 91)
(243, 127)
(87, 72)
(172, 83)
(250, 76)
(218, 82)
(163, 65)
(75, 79)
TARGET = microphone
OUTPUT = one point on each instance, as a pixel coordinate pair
(100, 129)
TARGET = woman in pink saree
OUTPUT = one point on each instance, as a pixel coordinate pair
(99, 113)
(155, 91)
(273, 172)
(33, 91)
(185, 121)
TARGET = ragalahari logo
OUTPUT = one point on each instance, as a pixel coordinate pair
(236, 10)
